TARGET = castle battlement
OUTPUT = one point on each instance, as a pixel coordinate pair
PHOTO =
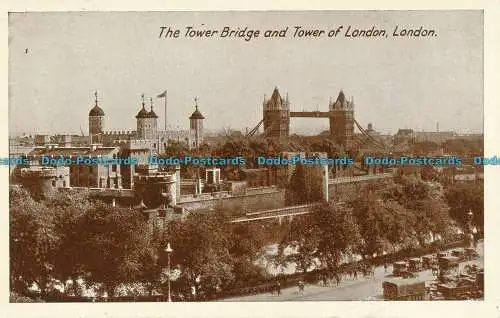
(44, 172)
(120, 133)
(146, 135)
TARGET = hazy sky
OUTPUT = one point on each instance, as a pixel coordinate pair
(396, 82)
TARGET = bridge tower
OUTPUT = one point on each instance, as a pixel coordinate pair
(276, 117)
(342, 120)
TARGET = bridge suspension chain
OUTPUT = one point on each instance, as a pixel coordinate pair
(255, 129)
(371, 138)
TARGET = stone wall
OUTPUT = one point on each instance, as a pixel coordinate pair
(236, 204)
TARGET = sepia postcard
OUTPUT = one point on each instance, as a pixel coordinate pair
(243, 158)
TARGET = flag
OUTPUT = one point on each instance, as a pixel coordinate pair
(164, 94)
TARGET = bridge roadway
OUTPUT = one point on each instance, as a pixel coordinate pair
(281, 212)
(312, 114)
(360, 178)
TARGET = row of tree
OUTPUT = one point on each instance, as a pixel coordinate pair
(67, 237)
(408, 213)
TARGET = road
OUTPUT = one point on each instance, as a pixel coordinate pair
(361, 289)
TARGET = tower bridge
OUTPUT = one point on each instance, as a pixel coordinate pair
(277, 114)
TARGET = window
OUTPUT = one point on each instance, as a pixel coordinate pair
(53, 183)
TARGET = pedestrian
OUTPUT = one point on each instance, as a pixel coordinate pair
(355, 274)
(193, 292)
(300, 285)
(278, 288)
(385, 267)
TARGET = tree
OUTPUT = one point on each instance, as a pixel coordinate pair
(247, 241)
(151, 263)
(303, 238)
(371, 216)
(112, 241)
(201, 246)
(69, 210)
(397, 225)
(305, 186)
(34, 242)
(427, 211)
(464, 197)
(339, 234)
(429, 217)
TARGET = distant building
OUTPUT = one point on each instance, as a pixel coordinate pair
(403, 135)
(437, 137)
(81, 174)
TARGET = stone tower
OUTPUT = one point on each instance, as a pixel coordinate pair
(96, 123)
(147, 123)
(153, 121)
(196, 127)
(276, 115)
(342, 120)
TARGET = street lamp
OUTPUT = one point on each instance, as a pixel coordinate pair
(169, 250)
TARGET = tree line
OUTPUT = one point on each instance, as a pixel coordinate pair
(66, 238)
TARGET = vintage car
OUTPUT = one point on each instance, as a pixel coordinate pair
(441, 254)
(398, 268)
(428, 261)
(414, 265)
(460, 254)
(448, 265)
(471, 254)
(453, 292)
(404, 289)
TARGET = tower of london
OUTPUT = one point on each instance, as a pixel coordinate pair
(146, 135)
